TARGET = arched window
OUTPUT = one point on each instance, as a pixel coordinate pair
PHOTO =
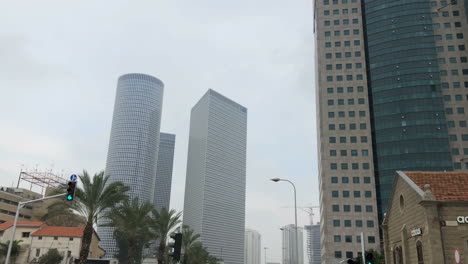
(420, 252)
(399, 255)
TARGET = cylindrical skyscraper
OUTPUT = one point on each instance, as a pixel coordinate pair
(134, 141)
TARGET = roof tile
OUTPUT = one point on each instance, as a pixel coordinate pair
(6, 225)
(446, 186)
(60, 231)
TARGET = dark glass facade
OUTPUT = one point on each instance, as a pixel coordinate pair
(408, 119)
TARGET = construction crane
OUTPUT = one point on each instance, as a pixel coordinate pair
(308, 209)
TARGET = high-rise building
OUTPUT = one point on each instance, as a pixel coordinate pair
(134, 141)
(162, 191)
(391, 86)
(214, 205)
(293, 246)
(313, 243)
(253, 247)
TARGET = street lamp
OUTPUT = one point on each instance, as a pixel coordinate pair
(295, 214)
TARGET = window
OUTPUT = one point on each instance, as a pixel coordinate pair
(25, 234)
(355, 166)
(38, 252)
(365, 166)
(452, 137)
(352, 114)
(362, 113)
(346, 208)
(343, 153)
(326, 22)
(328, 34)
(462, 123)
(371, 239)
(40, 238)
(362, 126)
(364, 139)
(359, 65)
(460, 110)
(351, 101)
(71, 238)
(326, 12)
(347, 43)
(333, 166)
(330, 90)
(340, 101)
(335, 194)
(355, 179)
(369, 208)
(368, 194)
(357, 194)
(344, 166)
(459, 35)
(336, 22)
(336, 12)
(335, 208)
(329, 67)
(347, 223)
(332, 140)
(331, 114)
(334, 179)
(349, 254)
(55, 238)
(342, 139)
(360, 89)
(354, 10)
(336, 33)
(341, 114)
(352, 126)
(346, 194)
(337, 238)
(357, 208)
(333, 153)
(338, 254)
(353, 139)
(331, 102)
(366, 179)
(358, 223)
(354, 153)
(419, 252)
(355, 21)
(370, 223)
(348, 239)
(336, 223)
(344, 179)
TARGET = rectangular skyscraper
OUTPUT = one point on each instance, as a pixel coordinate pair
(313, 243)
(391, 86)
(253, 247)
(162, 191)
(214, 205)
(293, 246)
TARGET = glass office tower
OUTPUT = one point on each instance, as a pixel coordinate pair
(134, 141)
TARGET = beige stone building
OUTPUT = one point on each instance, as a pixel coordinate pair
(427, 219)
(67, 240)
(9, 198)
(24, 229)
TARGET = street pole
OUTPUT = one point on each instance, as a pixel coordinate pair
(20, 205)
(362, 248)
(295, 215)
(265, 248)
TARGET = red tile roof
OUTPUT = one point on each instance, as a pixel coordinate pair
(9, 224)
(59, 231)
(446, 186)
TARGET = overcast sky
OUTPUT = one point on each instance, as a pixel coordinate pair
(60, 60)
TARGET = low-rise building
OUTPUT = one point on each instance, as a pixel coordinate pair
(427, 219)
(67, 240)
(24, 229)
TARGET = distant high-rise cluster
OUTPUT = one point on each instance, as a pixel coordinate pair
(214, 203)
(293, 245)
(313, 243)
(135, 144)
(253, 247)
(391, 87)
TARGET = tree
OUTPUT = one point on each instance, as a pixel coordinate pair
(199, 255)
(164, 222)
(378, 258)
(51, 257)
(15, 249)
(92, 198)
(132, 223)
(188, 239)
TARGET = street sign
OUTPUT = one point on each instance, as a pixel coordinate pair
(73, 177)
(456, 254)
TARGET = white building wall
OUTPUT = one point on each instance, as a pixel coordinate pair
(253, 247)
(290, 245)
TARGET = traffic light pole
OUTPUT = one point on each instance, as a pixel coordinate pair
(20, 205)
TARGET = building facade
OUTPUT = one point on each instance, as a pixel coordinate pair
(162, 191)
(313, 243)
(9, 199)
(24, 229)
(427, 222)
(134, 141)
(253, 247)
(214, 204)
(391, 87)
(293, 246)
(67, 240)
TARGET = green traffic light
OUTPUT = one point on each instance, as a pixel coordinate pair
(69, 197)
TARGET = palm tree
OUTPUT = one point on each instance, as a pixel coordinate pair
(188, 239)
(95, 196)
(164, 222)
(132, 221)
(15, 249)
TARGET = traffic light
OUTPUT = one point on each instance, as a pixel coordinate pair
(177, 245)
(71, 190)
(369, 258)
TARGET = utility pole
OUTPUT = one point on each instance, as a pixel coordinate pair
(20, 205)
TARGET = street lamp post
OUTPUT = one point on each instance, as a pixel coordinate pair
(295, 214)
(265, 248)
